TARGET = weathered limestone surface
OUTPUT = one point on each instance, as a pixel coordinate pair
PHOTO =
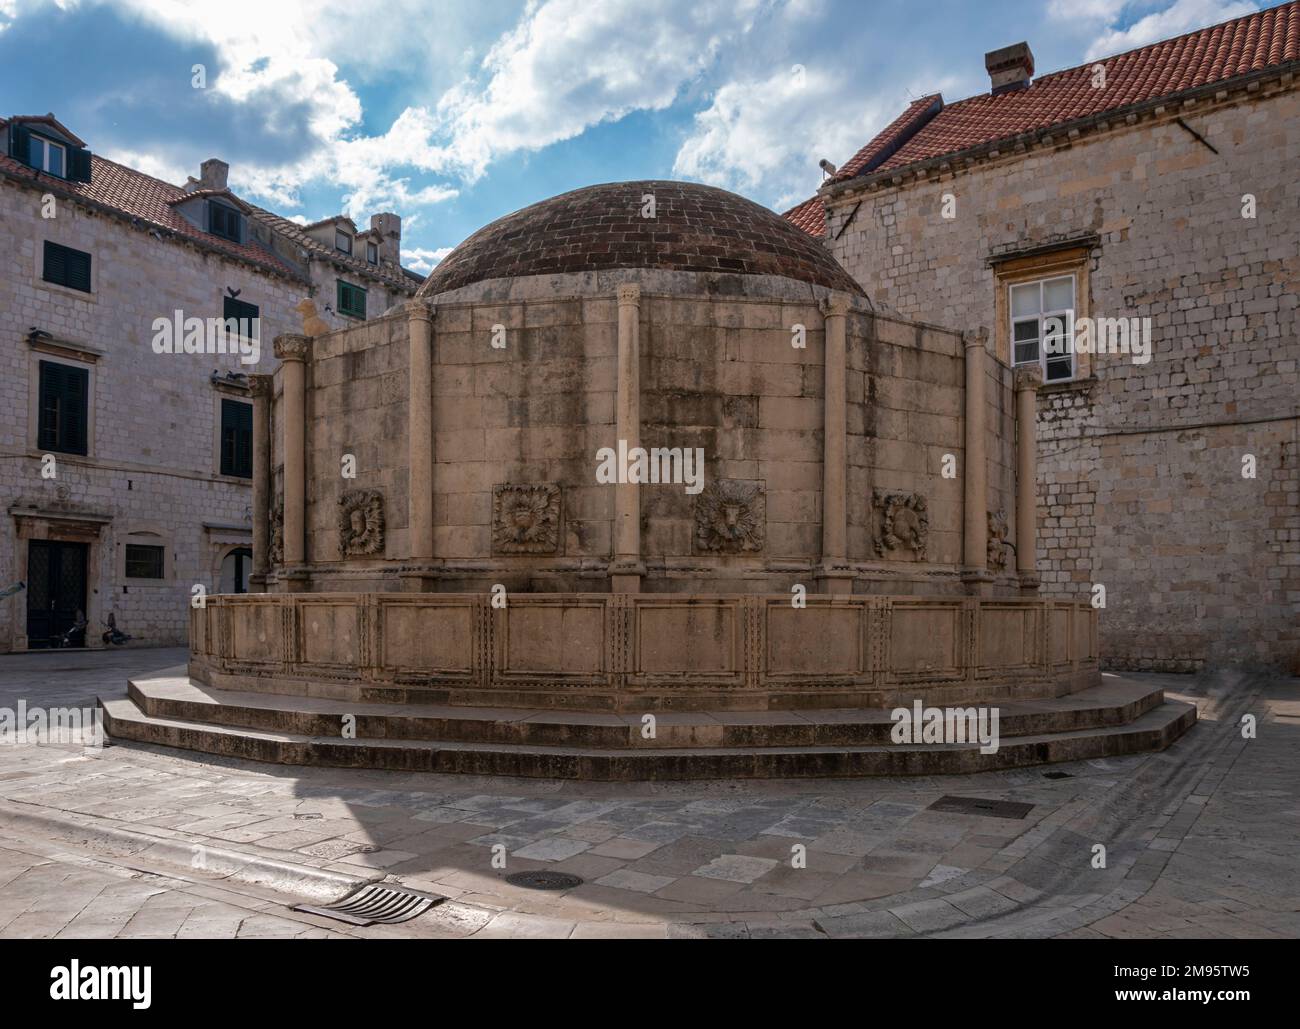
(717, 373)
(1140, 465)
(643, 652)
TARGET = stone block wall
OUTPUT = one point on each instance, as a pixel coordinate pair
(155, 419)
(1140, 465)
(716, 373)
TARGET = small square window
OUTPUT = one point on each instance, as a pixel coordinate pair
(352, 300)
(66, 267)
(224, 222)
(143, 561)
(47, 155)
(241, 318)
(343, 241)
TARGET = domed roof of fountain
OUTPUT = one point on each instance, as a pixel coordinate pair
(694, 228)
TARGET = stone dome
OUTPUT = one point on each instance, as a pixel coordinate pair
(600, 228)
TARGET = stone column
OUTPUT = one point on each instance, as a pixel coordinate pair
(975, 560)
(263, 389)
(1028, 379)
(416, 577)
(627, 569)
(292, 351)
(835, 576)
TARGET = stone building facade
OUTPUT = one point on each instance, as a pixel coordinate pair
(1160, 185)
(137, 504)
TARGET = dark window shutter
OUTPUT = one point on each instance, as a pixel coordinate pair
(64, 415)
(238, 309)
(56, 264)
(237, 439)
(67, 267)
(351, 299)
(79, 270)
(75, 420)
(51, 383)
(79, 165)
(20, 143)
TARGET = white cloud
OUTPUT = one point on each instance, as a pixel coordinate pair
(765, 137)
(573, 64)
(422, 260)
(564, 67)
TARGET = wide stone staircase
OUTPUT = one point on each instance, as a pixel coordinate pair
(1120, 716)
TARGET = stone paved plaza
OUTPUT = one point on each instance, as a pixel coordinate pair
(1200, 839)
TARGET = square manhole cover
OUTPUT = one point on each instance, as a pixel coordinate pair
(980, 806)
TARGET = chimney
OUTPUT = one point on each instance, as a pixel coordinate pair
(389, 228)
(1010, 68)
(212, 174)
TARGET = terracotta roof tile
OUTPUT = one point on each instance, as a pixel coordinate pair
(809, 216)
(1238, 47)
(137, 195)
(893, 136)
(1200, 58)
(298, 233)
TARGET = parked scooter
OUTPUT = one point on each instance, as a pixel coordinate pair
(114, 635)
(75, 636)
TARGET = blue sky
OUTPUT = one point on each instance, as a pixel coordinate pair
(455, 113)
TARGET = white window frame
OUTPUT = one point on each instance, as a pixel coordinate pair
(47, 145)
(1040, 318)
(340, 234)
(372, 253)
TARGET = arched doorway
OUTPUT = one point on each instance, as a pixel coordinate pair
(236, 566)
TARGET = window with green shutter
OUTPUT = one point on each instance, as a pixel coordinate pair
(352, 300)
(237, 438)
(244, 316)
(67, 267)
(64, 408)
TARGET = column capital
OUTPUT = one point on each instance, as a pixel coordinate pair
(419, 311)
(292, 347)
(1028, 377)
(835, 306)
(261, 385)
(978, 338)
(629, 295)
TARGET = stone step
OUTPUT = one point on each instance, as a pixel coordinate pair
(175, 696)
(1153, 730)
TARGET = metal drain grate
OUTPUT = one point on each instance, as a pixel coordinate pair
(375, 902)
(541, 879)
(980, 806)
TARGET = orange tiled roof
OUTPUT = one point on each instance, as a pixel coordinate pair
(809, 216)
(137, 195)
(1238, 47)
(894, 135)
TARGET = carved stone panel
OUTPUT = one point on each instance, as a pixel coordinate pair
(901, 525)
(275, 557)
(998, 540)
(731, 517)
(361, 522)
(526, 518)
